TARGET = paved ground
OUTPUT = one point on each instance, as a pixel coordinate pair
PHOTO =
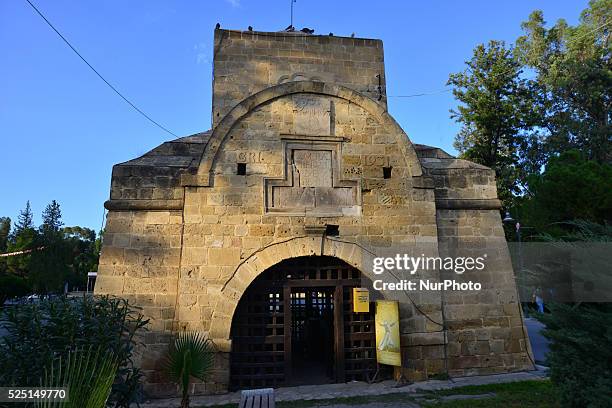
(539, 343)
(328, 391)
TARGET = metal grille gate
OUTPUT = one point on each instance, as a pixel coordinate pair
(291, 304)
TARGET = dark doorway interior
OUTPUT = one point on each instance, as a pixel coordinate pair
(312, 335)
(295, 325)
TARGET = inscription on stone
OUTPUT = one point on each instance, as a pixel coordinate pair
(250, 157)
(311, 115)
(312, 168)
(311, 184)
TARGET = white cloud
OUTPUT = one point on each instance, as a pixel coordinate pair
(234, 3)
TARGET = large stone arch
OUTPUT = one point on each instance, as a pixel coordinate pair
(352, 253)
(204, 175)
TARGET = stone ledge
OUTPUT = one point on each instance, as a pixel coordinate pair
(195, 180)
(144, 205)
(468, 204)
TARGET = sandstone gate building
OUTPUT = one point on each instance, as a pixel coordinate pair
(256, 231)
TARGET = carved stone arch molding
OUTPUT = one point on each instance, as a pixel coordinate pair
(352, 253)
(298, 76)
(204, 176)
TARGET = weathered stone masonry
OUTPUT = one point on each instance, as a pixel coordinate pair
(306, 118)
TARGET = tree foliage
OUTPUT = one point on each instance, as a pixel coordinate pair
(496, 111)
(574, 77)
(539, 114)
(580, 356)
(52, 255)
(25, 219)
(571, 187)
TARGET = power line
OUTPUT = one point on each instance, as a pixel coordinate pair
(503, 72)
(97, 73)
(420, 94)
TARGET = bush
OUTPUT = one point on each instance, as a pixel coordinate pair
(40, 333)
(13, 286)
(580, 356)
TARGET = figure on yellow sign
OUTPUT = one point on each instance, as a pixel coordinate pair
(387, 344)
(387, 333)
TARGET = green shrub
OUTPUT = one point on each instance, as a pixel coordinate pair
(39, 333)
(13, 286)
(580, 356)
(87, 373)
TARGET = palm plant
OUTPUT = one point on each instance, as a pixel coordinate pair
(190, 355)
(87, 374)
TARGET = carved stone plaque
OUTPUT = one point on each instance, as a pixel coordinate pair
(311, 115)
(312, 184)
(312, 168)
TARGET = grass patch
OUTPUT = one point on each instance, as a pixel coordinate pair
(358, 400)
(529, 394)
(533, 393)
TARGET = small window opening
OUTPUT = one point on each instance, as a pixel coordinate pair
(332, 230)
(241, 169)
(387, 172)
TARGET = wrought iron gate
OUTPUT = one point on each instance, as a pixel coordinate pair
(306, 303)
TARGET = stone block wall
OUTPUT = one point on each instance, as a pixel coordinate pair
(248, 62)
(187, 231)
(485, 329)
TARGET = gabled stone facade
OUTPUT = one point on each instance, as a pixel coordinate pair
(301, 139)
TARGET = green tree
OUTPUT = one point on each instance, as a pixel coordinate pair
(5, 230)
(571, 187)
(24, 219)
(496, 113)
(52, 217)
(49, 266)
(23, 238)
(84, 254)
(574, 77)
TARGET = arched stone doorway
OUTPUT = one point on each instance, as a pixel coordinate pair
(294, 324)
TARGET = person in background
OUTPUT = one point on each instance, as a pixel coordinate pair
(538, 299)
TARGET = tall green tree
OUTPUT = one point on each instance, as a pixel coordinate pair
(574, 77)
(23, 238)
(5, 230)
(49, 268)
(496, 113)
(25, 219)
(52, 217)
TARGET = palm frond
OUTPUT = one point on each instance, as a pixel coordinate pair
(88, 374)
(190, 355)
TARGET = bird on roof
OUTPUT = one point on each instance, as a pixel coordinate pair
(290, 28)
(353, 35)
(217, 26)
(307, 30)
(331, 34)
(250, 28)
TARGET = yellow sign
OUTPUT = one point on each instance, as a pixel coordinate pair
(361, 300)
(387, 333)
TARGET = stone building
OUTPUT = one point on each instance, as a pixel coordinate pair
(255, 231)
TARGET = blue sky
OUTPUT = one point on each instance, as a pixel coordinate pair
(62, 128)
